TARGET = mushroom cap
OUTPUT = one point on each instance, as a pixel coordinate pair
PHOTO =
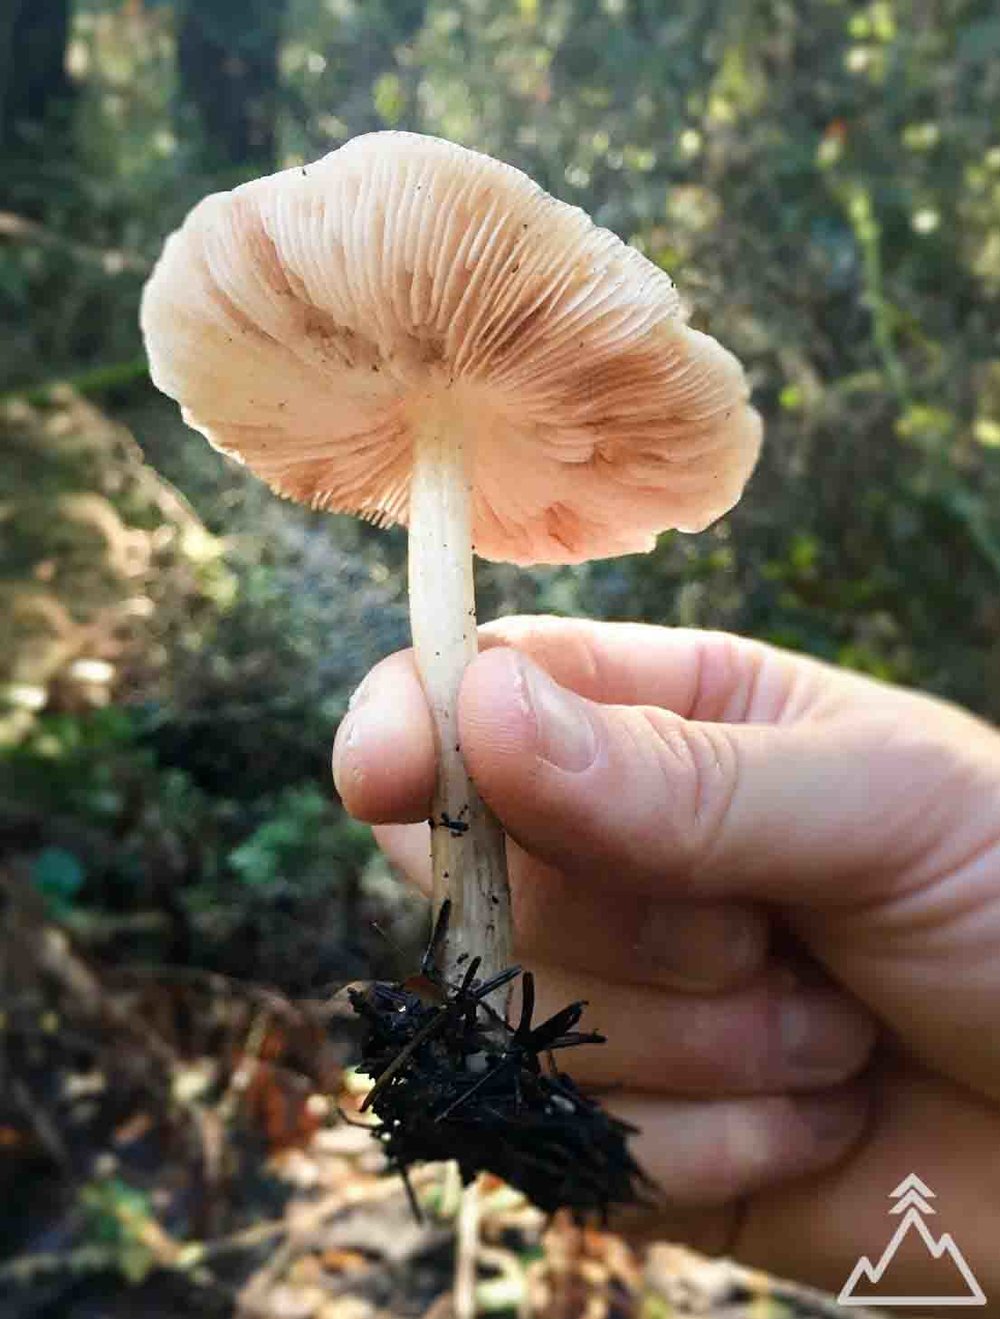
(309, 321)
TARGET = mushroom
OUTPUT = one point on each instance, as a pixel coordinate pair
(415, 333)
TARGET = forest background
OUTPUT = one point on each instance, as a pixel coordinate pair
(822, 179)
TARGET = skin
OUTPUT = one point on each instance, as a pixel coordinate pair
(778, 886)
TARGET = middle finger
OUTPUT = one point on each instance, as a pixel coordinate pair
(632, 938)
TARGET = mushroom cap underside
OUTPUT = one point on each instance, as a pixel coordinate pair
(310, 322)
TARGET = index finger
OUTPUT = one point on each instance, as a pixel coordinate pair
(705, 675)
(384, 755)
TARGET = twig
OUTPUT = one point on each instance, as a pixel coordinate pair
(244, 1073)
(255, 1235)
(253, 1300)
(113, 261)
(24, 1269)
(164, 1251)
(313, 1011)
(56, 958)
(46, 1131)
(466, 1253)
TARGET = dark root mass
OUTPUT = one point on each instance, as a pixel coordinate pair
(454, 1080)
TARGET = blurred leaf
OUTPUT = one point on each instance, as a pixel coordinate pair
(58, 876)
(389, 99)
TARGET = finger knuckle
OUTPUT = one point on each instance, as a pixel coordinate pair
(727, 672)
(698, 765)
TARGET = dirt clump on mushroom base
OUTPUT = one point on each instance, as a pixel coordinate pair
(454, 1080)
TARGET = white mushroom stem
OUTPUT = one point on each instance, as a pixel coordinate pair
(467, 844)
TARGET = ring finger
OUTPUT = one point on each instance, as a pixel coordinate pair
(769, 1037)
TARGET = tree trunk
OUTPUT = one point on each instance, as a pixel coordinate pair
(389, 25)
(227, 56)
(35, 90)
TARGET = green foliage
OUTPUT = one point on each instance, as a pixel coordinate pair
(58, 876)
(120, 1218)
(301, 838)
(266, 885)
(95, 543)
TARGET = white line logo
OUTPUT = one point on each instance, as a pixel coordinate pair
(912, 1201)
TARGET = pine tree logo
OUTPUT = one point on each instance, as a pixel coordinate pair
(960, 1287)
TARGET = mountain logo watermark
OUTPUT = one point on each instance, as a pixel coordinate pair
(871, 1284)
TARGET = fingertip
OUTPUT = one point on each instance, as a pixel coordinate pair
(835, 1120)
(823, 1037)
(383, 752)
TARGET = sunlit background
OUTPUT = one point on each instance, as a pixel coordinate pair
(822, 179)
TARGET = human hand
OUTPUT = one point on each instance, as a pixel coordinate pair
(668, 797)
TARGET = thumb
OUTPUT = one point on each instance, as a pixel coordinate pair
(639, 796)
